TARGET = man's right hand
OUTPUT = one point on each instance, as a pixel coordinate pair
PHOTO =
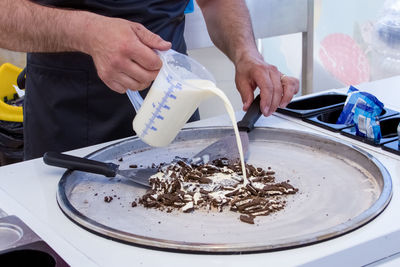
(122, 50)
(123, 53)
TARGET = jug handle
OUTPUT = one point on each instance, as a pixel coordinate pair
(135, 98)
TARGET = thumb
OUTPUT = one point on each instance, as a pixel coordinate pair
(150, 39)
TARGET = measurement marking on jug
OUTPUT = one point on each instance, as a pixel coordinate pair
(162, 106)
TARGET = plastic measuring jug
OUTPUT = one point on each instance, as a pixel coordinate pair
(175, 94)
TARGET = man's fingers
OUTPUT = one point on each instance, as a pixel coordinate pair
(122, 82)
(134, 70)
(128, 74)
(275, 76)
(150, 39)
(266, 92)
(290, 88)
(116, 86)
(142, 51)
(132, 83)
(145, 57)
(246, 93)
(287, 96)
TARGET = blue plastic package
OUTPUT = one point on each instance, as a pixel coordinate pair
(354, 96)
(367, 122)
(398, 134)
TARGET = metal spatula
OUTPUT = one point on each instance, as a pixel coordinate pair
(225, 147)
(140, 175)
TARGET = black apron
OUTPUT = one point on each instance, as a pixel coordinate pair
(66, 105)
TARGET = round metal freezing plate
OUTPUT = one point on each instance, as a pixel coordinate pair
(340, 189)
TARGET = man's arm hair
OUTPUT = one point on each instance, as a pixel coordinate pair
(29, 27)
(128, 61)
(229, 26)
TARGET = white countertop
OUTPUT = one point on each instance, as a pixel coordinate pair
(28, 190)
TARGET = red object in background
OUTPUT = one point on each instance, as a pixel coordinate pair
(344, 59)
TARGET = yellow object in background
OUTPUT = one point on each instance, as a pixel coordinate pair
(8, 78)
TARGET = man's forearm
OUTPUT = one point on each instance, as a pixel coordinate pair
(29, 27)
(229, 26)
(128, 61)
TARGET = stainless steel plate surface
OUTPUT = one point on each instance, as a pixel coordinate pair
(340, 189)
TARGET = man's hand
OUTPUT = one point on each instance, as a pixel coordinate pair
(122, 50)
(123, 53)
(234, 36)
(276, 90)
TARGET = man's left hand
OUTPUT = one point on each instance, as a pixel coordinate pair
(276, 90)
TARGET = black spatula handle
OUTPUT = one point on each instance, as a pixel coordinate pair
(251, 116)
(80, 164)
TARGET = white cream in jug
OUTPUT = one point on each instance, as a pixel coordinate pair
(165, 110)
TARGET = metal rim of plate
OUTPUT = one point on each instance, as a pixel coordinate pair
(197, 247)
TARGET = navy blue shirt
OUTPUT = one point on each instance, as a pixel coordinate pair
(163, 17)
(67, 106)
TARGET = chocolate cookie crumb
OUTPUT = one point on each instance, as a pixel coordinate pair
(133, 166)
(216, 186)
(108, 199)
(247, 219)
(134, 204)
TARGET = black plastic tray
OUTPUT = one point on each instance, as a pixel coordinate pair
(33, 254)
(312, 105)
(327, 119)
(392, 147)
(28, 249)
(388, 130)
